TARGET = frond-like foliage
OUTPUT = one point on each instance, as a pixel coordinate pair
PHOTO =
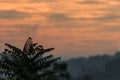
(27, 64)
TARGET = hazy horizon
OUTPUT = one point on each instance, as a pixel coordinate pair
(74, 28)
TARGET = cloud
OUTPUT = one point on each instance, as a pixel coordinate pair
(105, 18)
(8, 1)
(90, 2)
(13, 14)
(42, 0)
(108, 18)
(18, 29)
(59, 17)
(80, 44)
(27, 27)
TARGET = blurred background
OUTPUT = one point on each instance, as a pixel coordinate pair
(79, 30)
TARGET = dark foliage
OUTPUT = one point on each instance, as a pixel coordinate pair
(60, 72)
(27, 64)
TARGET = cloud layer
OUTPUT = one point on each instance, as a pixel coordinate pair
(77, 27)
(13, 14)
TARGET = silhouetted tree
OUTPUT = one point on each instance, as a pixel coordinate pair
(86, 76)
(27, 64)
(61, 70)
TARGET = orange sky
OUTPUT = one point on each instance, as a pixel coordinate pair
(74, 27)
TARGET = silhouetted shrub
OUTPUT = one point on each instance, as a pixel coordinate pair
(27, 64)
